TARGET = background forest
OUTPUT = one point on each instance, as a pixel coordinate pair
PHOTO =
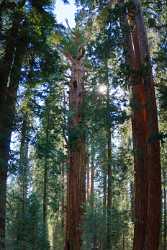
(83, 165)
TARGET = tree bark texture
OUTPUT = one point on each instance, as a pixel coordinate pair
(145, 133)
(77, 155)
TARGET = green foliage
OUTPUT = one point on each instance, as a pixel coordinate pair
(94, 227)
(19, 228)
(95, 230)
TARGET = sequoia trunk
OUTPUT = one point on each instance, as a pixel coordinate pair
(145, 134)
(77, 168)
(145, 130)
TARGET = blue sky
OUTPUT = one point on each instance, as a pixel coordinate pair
(65, 11)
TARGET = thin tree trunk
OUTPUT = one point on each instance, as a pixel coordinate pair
(87, 181)
(132, 200)
(77, 156)
(109, 166)
(123, 241)
(45, 187)
(164, 209)
(45, 176)
(23, 183)
(104, 192)
(63, 195)
(92, 173)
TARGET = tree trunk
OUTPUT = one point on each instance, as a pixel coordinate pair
(109, 166)
(45, 188)
(132, 200)
(10, 69)
(164, 211)
(145, 134)
(123, 241)
(63, 195)
(104, 192)
(45, 175)
(92, 173)
(23, 183)
(87, 181)
(77, 156)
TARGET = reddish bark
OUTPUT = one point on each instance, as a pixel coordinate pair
(145, 131)
(139, 128)
(77, 168)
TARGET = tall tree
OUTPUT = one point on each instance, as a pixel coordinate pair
(10, 68)
(76, 189)
(145, 133)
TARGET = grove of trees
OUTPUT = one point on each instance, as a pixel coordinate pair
(83, 126)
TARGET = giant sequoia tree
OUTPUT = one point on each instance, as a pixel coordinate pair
(145, 133)
(77, 159)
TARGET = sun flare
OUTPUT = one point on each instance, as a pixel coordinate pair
(102, 89)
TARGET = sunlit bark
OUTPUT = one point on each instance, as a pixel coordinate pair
(145, 132)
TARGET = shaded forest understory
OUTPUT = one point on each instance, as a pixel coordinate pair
(83, 126)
